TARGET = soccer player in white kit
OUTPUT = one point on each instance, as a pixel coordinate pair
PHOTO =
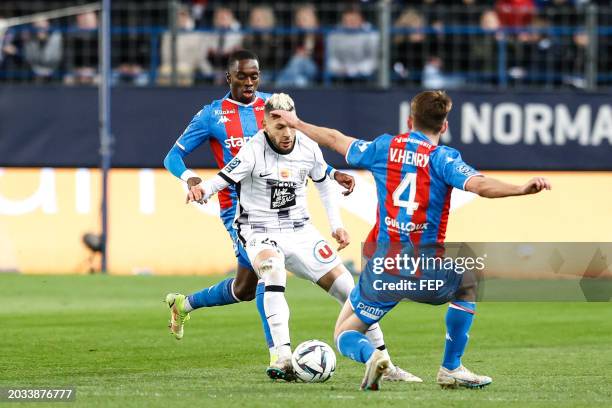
(270, 173)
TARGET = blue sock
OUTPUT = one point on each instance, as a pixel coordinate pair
(216, 295)
(458, 322)
(259, 299)
(355, 346)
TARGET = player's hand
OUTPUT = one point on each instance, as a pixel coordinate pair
(196, 192)
(289, 117)
(535, 185)
(342, 238)
(345, 180)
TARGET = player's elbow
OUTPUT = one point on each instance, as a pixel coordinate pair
(479, 186)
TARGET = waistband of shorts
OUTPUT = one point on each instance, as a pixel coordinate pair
(263, 229)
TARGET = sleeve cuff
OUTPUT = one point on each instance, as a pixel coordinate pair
(349, 150)
(468, 179)
(187, 174)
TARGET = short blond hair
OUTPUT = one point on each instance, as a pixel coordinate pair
(279, 101)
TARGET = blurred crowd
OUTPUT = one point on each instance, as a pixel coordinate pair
(436, 43)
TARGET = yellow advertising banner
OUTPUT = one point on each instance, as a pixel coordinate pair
(44, 214)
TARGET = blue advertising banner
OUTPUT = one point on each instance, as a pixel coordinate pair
(509, 130)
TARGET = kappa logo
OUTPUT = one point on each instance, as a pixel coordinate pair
(450, 159)
(223, 119)
(362, 146)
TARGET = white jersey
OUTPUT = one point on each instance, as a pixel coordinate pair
(271, 185)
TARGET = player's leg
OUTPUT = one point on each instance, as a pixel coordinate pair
(352, 342)
(268, 261)
(459, 318)
(339, 283)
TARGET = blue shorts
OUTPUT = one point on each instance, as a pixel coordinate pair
(375, 295)
(241, 256)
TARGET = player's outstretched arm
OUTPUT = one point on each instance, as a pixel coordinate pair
(330, 138)
(492, 188)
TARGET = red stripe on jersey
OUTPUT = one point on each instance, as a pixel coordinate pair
(369, 245)
(394, 178)
(423, 182)
(233, 126)
(444, 217)
(225, 201)
(258, 107)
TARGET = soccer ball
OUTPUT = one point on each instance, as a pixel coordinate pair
(313, 361)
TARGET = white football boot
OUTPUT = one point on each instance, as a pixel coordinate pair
(461, 377)
(394, 373)
(375, 368)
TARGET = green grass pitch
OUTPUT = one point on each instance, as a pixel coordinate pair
(108, 337)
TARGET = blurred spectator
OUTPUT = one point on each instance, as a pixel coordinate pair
(262, 42)
(307, 57)
(515, 13)
(532, 52)
(190, 52)
(43, 50)
(353, 49)
(82, 51)
(434, 77)
(11, 61)
(484, 47)
(221, 43)
(409, 48)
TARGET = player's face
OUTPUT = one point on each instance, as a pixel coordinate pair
(243, 79)
(281, 135)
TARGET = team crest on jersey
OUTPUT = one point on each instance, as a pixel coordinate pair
(223, 119)
(232, 165)
(303, 175)
(282, 194)
(323, 252)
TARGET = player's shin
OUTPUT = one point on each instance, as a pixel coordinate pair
(216, 295)
(459, 319)
(259, 296)
(272, 271)
(355, 345)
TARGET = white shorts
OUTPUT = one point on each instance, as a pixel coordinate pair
(306, 253)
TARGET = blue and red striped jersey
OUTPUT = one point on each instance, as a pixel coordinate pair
(227, 125)
(414, 179)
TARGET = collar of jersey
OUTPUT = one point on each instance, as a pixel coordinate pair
(274, 147)
(227, 96)
(421, 136)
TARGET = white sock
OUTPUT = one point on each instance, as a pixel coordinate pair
(375, 335)
(277, 313)
(187, 305)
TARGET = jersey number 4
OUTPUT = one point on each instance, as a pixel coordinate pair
(409, 181)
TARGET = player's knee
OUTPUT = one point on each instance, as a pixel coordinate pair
(272, 271)
(468, 291)
(342, 286)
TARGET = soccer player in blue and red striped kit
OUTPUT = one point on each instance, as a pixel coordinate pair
(227, 124)
(414, 177)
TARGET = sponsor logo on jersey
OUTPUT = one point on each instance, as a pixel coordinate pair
(235, 141)
(408, 157)
(466, 170)
(404, 226)
(223, 119)
(229, 167)
(282, 195)
(417, 142)
(285, 173)
(371, 312)
(323, 252)
(219, 112)
(259, 108)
